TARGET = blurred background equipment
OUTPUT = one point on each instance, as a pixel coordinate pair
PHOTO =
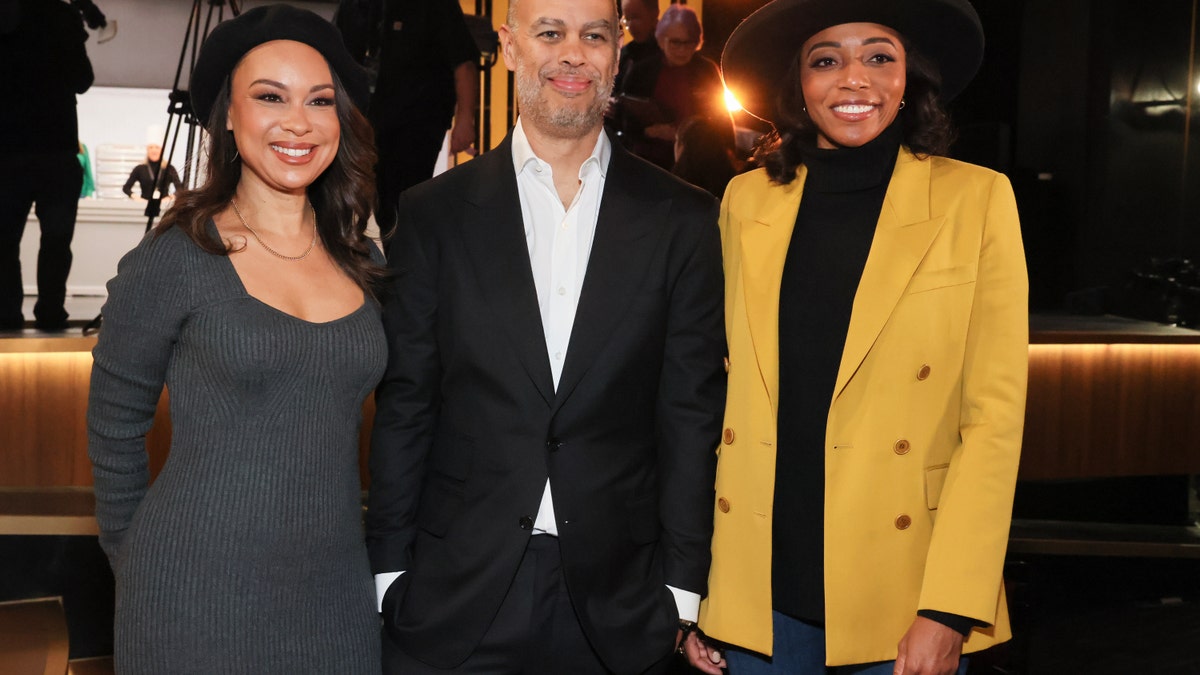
(95, 20)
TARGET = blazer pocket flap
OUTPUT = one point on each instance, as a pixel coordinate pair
(928, 280)
(935, 477)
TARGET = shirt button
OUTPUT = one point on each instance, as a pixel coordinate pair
(900, 447)
(558, 356)
(562, 290)
(526, 522)
(903, 522)
(727, 437)
(923, 373)
(723, 505)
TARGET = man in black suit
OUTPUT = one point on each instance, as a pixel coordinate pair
(543, 453)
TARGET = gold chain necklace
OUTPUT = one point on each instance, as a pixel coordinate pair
(272, 251)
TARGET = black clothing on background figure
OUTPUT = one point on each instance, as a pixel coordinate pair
(144, 175)
(42, 57)
(704, 155)
(632, 54)
(414, 100)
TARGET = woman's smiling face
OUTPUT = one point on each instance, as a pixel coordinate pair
(853, 78)
(283, 115)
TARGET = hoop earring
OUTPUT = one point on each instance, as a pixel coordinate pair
(234, 159)
(901, 105)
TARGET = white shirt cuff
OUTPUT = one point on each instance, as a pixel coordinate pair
(384, 581)
(687, 602)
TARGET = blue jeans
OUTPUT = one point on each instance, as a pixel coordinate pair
(800, 650)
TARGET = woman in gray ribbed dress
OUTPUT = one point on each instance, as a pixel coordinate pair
(252, 301)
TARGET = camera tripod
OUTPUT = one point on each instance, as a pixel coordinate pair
(180, 114)
(179, 108)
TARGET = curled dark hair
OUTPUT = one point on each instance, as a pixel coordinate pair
(343, 196)
(924, 122)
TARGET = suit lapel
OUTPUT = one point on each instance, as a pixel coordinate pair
(902, 237)
(765, 240)
(494, 237)
(615, 267)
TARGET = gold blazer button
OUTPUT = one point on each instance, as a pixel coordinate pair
(723, 505)
(903, 522)
(727, 437)
(900, 447)
(923, 373)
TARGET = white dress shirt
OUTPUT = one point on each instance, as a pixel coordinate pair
(560, 242)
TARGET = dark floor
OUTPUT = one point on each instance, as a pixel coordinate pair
(1070, 614)
(1099, 616)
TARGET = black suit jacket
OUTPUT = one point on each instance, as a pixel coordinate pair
(469, 424)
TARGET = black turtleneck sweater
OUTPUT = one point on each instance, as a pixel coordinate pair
(843, 195)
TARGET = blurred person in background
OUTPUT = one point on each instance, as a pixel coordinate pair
(44, 62)
(640, 19)
(704, 155)
(659, 93)
(146, 175)
(428, 83)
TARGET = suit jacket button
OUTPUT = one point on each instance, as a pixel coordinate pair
(526, 522)
(923, 373)
(727, 437)
(723, 504)
(553, 445)
(903, 522)
(900, 447)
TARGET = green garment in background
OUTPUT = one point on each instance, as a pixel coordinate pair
(89, 181)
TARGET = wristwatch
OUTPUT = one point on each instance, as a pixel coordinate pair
(685, 628)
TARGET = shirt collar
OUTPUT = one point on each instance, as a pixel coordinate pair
(523, 154)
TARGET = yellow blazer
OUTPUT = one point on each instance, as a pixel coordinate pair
(924, 430)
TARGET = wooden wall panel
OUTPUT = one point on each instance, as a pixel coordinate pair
(43, 430)
(1094, 411)
(1112, 410)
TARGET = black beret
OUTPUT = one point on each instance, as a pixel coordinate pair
(230, 40)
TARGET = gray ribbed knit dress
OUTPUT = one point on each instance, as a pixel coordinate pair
(247, 553)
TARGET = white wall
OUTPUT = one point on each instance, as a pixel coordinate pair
(150, 36)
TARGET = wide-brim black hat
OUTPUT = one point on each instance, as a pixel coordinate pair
(230, 40)
(760, 51)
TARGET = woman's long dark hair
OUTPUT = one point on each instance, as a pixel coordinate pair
(924, 121)
(343, 196)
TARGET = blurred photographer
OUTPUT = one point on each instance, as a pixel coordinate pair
(44, 63)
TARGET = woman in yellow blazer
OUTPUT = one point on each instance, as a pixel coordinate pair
(876, 312)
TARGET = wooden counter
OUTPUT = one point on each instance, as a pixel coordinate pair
(59, 510)
(1111, 397)
(1107, 397)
